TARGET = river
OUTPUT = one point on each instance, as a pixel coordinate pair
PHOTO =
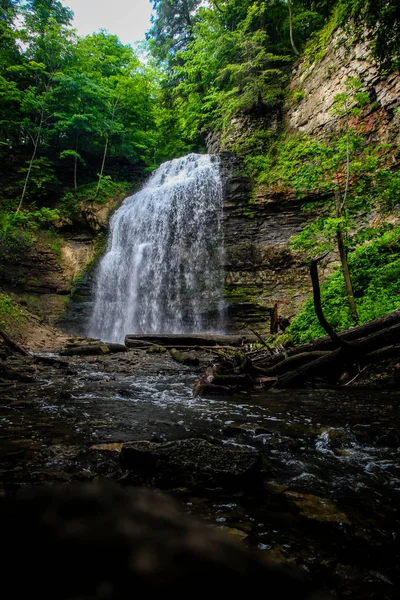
(329, 498)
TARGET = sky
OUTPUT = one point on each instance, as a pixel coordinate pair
(128, 19)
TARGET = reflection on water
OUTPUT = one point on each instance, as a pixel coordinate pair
(332, 471)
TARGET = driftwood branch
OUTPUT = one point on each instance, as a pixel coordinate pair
(318, 306)
(12, 344)
(374, 342)
(258, 336)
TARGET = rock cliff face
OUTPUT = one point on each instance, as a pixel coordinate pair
(317, 83)
(260, 269)
(43, 280)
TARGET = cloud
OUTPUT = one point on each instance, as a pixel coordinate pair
(128, 19)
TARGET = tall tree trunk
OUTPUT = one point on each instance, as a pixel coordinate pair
(295, 50)
(76, 164)
(318, 306)
(35, 147)
(114, 108)
(102, 167)
(343, 260)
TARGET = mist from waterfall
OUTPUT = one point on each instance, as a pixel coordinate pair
(163, 268)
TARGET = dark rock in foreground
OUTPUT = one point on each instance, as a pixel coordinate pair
(192, 463)
(101, 542)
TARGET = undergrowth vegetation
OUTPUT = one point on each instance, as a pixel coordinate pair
(376, 278)
(10, 313)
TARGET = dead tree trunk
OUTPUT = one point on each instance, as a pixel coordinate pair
(35, 148)
(318, 307)
(343, 259)
(274, 319)
(13, 345)
(295, 50)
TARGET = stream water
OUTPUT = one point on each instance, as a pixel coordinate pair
(329, 502)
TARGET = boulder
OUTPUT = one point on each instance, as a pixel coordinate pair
(117, 347)
(185, 358)
(193, 463)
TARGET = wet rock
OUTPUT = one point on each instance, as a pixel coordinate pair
(6, 400)
(86, 350)
(236, 533)
(377, 436)
(317, 508)
(114, 447)
(22, 404)
(236, 429)
(156, 350)
(185, 358)
(193, 463)
(117, 348)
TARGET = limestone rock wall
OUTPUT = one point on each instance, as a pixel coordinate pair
(43, 280)
(260, 269)
(318, 82)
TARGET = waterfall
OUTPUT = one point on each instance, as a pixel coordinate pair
(163, 268)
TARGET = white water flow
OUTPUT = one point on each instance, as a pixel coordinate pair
(163, 268)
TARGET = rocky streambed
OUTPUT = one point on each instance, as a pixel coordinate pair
(310, 478)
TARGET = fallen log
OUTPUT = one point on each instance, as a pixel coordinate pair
(326, 344)
(189, 340)
(86, 350)
(12, 344)
(14, 375)
(301, 374)
(382, 354)
(51, 361)
(356, 353)
(293, 362)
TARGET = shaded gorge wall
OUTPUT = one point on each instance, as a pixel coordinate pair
(260, 269)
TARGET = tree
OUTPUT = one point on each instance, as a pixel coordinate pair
(347, 104)
(295, 50)
(172, 27)
(47, 51)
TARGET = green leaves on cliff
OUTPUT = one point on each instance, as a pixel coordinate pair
(381, 20)
(226, 57)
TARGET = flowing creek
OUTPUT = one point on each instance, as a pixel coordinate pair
(329, 500)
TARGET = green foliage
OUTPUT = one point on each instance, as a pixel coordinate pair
(70, 205)
(381, 18)
(67, 103)
(18, 231)
(172, 26)
(376, 280)
(10, 313)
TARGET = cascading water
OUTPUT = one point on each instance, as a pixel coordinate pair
(163, 271)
